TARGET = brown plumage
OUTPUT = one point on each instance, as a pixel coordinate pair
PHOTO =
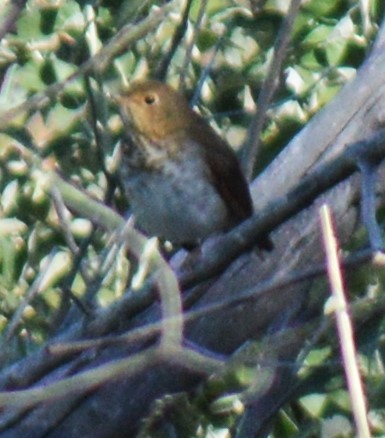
(183, 181)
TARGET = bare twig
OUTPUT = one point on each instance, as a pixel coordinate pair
(206, 71)
(180, 31)
(29, 296)
(78, 260)
(189, 49)
(344, 325)
(251, 147)
(62, 214)
(98, 120)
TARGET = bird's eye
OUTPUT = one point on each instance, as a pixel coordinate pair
(149, 99)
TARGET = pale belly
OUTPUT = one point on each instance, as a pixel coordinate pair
(180, 206)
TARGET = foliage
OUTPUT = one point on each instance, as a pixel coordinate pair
(48, 253)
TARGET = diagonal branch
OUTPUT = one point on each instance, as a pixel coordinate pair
(245, 236)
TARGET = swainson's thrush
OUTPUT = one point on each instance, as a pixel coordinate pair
(183, 181)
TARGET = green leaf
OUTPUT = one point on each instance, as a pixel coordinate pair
(323, 8)
(28, 76)
(70, 17)
(28, 25)
(318, 35)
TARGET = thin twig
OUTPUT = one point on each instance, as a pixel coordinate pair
(62, 214)
(344, 325)
(207, 69)
(99, 123)
(191, 44)
(32, 292)
(251, 147)
(77, 254)
(96, 115)
(179, 33)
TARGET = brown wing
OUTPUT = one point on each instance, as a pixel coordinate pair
(226, 172)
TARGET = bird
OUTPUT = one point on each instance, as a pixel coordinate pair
(183, 181)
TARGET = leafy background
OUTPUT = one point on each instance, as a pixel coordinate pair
(49, 257)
